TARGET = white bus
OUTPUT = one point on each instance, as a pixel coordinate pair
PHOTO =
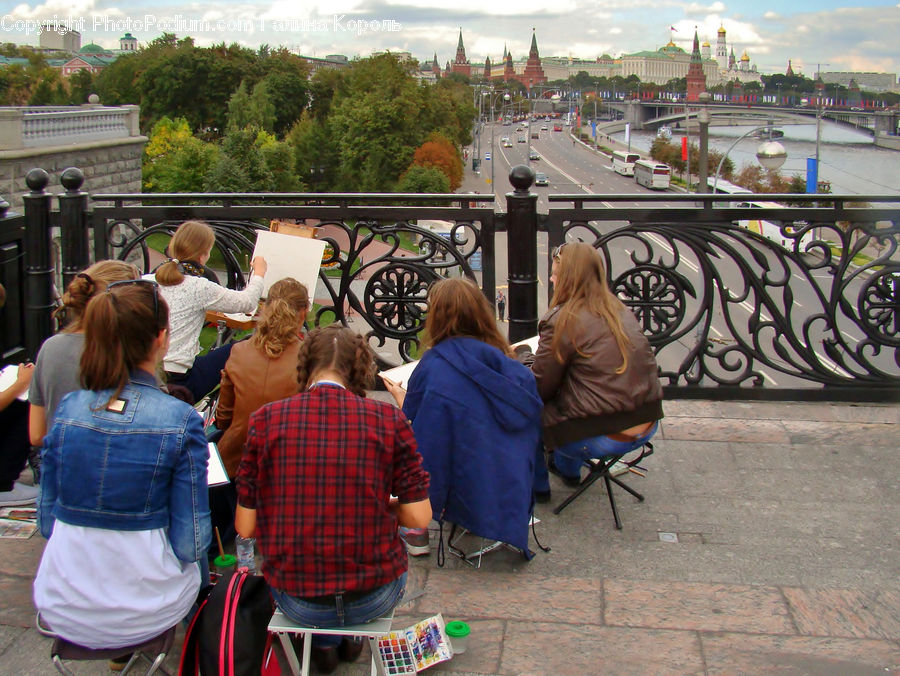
(652, 174)
(623, 163)
(770, 230)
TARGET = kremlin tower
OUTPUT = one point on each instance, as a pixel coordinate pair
(460, 63)
(696, 80)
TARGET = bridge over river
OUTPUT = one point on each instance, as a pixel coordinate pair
(881, 124)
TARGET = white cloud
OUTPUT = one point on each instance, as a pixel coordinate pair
(771, 15)
(615, 30)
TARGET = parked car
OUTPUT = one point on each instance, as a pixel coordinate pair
(540, 178)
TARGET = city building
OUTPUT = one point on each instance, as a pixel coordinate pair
(55, 37)
(334, 61)
(876, 82)
(128, 43)
(666, 63)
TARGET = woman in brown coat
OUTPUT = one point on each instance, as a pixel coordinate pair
(262, 369)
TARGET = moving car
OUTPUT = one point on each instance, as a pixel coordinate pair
(505, 142)
(533, 155)
(540, 178)
(522, 139)
(544, 127)
(557, 127)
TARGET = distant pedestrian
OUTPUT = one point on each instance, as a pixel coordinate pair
(501, 304)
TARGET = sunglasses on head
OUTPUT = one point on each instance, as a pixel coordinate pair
(557, 251)
(141, 282)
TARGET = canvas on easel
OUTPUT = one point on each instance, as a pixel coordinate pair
(290, 256)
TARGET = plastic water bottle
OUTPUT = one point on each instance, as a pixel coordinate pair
(244, 550)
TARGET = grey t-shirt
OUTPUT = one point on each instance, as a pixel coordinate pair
(56, 372)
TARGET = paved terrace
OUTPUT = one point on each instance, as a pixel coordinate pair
(786, 560)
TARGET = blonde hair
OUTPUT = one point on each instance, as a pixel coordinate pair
(87, 284)
(282, 313)
(457, 307)
(192, 240)
(581, 285)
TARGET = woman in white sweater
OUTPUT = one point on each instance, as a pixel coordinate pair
(189, 295)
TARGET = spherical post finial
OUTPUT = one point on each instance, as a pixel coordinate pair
(37, 179)
(93, 99)
(521, 177)
(72, 179)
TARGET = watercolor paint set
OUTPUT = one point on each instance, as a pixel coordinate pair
(410, 650)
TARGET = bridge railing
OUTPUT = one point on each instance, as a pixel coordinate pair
(786, 302)
(733, 308)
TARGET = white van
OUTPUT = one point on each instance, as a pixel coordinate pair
(623, 163)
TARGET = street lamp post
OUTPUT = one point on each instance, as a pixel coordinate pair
(703, 119)
(506, 97)
(770, 154)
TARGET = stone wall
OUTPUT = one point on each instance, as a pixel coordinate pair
(109, 166)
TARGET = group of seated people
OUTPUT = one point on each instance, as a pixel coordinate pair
(324, 478)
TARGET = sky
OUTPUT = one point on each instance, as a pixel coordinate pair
(861, 37)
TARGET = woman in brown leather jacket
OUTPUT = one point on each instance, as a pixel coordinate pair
(262, 369)
(594, 367)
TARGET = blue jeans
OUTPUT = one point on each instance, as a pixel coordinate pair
(570, 457)
(339, 613)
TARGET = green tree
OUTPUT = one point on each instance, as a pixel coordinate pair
(419, 179)
(239, 115)
(175, 160)
(81, 86)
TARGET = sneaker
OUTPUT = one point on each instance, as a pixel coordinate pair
(119, 663)
(567, 480)
(416, 540)
(19, 496)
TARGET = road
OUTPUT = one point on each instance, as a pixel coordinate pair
(573, 168)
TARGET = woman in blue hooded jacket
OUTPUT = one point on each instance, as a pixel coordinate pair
(476, 415)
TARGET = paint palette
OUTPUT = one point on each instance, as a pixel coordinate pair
(396, 656)
(416, 648)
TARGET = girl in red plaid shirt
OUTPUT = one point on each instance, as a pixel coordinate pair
(314, 488)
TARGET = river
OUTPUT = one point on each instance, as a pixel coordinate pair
(847, 157)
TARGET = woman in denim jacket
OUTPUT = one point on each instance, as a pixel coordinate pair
(124, 496)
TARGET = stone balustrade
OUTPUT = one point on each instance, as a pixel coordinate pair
(26, 127)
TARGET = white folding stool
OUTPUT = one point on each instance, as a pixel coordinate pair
(284, 627)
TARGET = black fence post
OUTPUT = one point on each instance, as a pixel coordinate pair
(38, 268)
(73, 225)
(521, 236)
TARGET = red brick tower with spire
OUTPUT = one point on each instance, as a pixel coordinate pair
(436, 67)
(696, 80)
(487, 68)
(534, 73)
(509, 73)
(790, 70)
(460, 63)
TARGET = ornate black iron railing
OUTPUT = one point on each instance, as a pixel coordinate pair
(805, 308)
(380, 255)
(808, 306)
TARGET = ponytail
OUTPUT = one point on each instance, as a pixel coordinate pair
(85, 285)
(192, 240)
(170, 273)
(103, 364)
(283, 311)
